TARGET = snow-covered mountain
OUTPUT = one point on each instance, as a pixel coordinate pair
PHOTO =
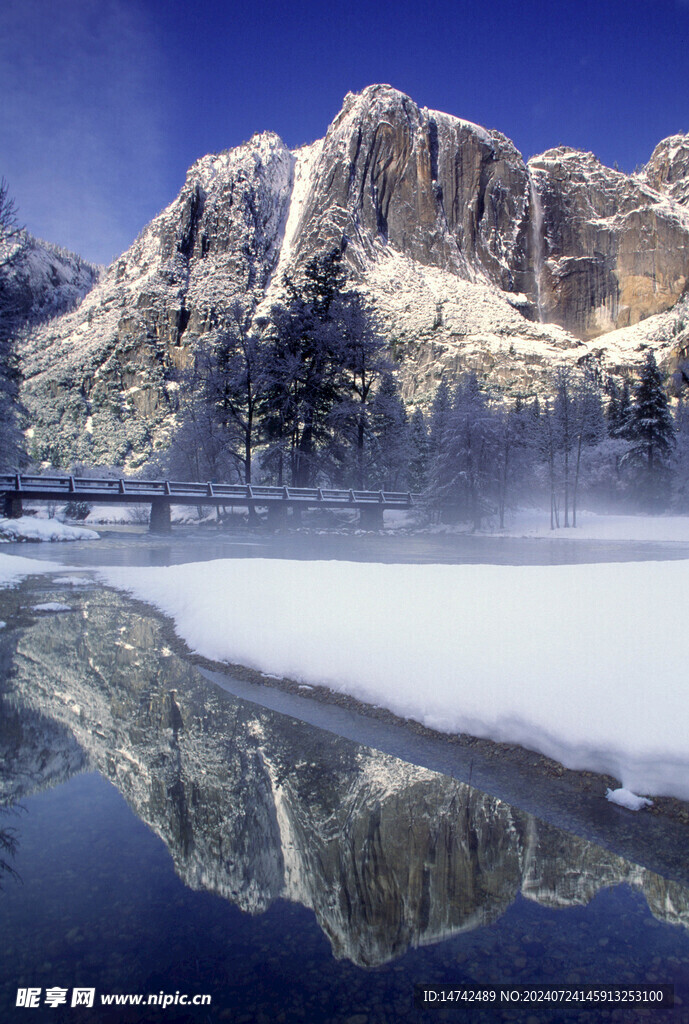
(470, 259)
(42, 281)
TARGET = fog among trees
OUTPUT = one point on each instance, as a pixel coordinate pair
(305, 397)
(616, 446)
(308, 397)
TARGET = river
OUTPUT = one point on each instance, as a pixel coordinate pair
(181, 831)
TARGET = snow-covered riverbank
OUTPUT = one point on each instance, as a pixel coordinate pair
(33, 528)
(670, 529)
(13, 569)
(583, 663)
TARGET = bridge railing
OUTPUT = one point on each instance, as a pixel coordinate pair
(109, 488)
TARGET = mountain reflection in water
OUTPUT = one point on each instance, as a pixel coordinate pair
(254, 806)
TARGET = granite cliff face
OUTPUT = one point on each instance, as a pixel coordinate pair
(469, 258)
(255, 806)
(615, 249)
(98, 379)
(439, 190)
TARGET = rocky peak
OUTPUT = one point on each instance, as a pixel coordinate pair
(615, 249)
(668, 168)
(225, 195)
(250, 157)
(438, 189)
(469, 260)
(602, 191)
(219, 241)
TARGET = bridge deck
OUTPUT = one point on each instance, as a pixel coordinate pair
(127, 491)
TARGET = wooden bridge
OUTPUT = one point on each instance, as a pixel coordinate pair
(161, 494)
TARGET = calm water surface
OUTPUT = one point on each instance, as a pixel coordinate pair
(174, 836)
(135, 546)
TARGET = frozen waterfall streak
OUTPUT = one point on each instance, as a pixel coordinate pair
(304, 161)
(537, 242)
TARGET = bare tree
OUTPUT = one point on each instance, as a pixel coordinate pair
(466, 463)
(548, 446)
(365, 366)
(564, 420)
(236, 388)
(589, 425)
(12, 238)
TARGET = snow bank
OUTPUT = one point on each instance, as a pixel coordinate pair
(31, 529)
(13, 569)
(585, 663)
(531, 523)
(590, 526)
(138, 515)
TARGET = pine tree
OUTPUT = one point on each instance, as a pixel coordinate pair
(619, 412)
(466, 470)
(12, 245)
(12, 236)
(390, 441)
(236, 388)
(304, 372)
(364, 364)
(419, 446)
(439, 421)
(652, 437)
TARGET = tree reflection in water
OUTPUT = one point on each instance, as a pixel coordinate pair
(255, 806)
(9, 842)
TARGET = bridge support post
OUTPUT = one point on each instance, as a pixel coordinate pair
(11, 507)
(277, 515)
(371, 517)
(160, 521)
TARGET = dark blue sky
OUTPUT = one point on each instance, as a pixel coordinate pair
(105, 103)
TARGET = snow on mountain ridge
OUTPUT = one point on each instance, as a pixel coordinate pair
(459, 245)
(668, 167)
(42, 280)
(259, 150)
